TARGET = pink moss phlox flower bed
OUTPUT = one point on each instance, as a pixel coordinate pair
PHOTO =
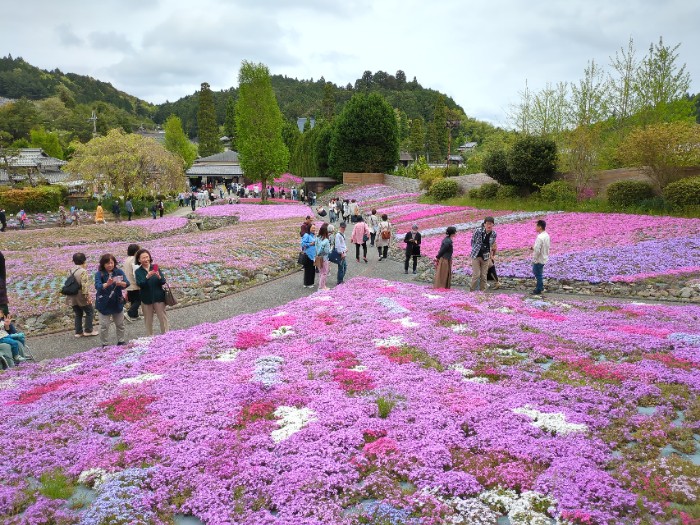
(372, 403)
(255, 212)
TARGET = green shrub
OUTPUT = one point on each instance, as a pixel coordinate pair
(429, 176)
(485, 191)
(444, 189)
(474, 193)
(558, 191)
(452, 171)
(683, 193)
(33, 199)
(626, 193)
(532, 161)
(495, 165)
(507, 191)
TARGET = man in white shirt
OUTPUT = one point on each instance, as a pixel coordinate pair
(540, 255)
(342, 248)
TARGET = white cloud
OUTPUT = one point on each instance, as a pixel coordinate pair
(480, 53)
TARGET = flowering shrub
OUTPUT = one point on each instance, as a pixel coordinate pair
(254, 212)
(501, 406)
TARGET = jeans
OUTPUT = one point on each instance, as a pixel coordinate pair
(89, 313)
(372, 236)
(134, 297)
(537, 270)
(342, 269)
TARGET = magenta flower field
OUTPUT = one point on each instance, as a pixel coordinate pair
(375, 403)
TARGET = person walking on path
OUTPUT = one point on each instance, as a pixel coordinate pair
(100, 215)
(150, 280)
(308, 246)
(483, 247)
(359, 237)
(22, 219)
(133, 292)
(412, 240)
(323, 250)
(116, 211)
(161, 208)
(193, 201)
(3, 220)
(129, 206)
(110, 281)
(443, 261)
(373, 226)
(384, 237)
(62, 216)
(342, 248)
(81, 303)
(540, 255)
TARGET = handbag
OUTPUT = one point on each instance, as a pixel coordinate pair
(318, 261)
(334, 256)
(365, 238)
(169, 297)
(302, 258)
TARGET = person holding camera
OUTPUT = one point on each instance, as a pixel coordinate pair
(412, 240)
(82, 302)
(150, 280)
(110, 282)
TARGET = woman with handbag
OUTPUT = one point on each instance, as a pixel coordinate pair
(152, 284)
(360, 236)
(110, 282)
(308, 246)
(323, 250)
(383, 237)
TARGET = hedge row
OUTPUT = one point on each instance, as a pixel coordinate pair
(33, 200)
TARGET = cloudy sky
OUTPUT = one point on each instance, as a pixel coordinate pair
(479, 52)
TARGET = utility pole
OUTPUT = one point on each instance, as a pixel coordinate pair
(93, 118)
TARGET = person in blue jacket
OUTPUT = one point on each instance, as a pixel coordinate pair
(308, 245)
(110, 283)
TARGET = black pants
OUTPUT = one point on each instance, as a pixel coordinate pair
(364, 250)
(134, 297)
(130, 213)
(372, 236)
(89, 312)
(194, 204)
(491, 274)
(383, 251)
(415, 262)
(309, 272)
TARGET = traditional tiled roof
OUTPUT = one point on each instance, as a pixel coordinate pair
(35, 158)
(215, 169)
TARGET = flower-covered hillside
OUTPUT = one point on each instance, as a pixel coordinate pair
(374, 403)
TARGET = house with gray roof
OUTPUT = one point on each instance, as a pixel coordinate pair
(32, 164)
(218, 168)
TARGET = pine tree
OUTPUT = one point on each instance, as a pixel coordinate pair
(417, 138)
(206, 122)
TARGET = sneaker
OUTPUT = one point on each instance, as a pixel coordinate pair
(415, 272)
(78, 335)
(365, 259)
(497, 285)
(358, 259)
(406, 272)
(93, 333)
(20, 359)
(121, 343)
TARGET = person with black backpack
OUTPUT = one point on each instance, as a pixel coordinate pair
(77, 292)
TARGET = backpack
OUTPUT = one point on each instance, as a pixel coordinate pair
(71, 286)
(386, 233)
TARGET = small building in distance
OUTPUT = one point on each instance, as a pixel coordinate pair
(220, 168)
(301, 122)
(32, 165)
(467, 147)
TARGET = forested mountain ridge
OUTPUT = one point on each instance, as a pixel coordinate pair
(304, 98)
(19, 79)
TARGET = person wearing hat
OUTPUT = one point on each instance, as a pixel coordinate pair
(412, 240)
(483, 248)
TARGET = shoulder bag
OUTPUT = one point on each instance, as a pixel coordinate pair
(169, 297)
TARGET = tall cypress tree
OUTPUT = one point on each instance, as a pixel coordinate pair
(230, 122)
(206, 122)
(259, 123)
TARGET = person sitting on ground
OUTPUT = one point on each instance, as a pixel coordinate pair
(10, 336)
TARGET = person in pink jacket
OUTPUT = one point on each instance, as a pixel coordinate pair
(359, 237)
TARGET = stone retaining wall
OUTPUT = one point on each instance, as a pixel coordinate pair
(404, 184)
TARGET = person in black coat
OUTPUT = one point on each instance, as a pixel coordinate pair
(412, 240)
(3, 220)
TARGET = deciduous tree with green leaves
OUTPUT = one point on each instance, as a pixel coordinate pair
(262, 152)
(206, 123)
(124, 164)
(662, 149)
(177, 142)
(365, 138)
